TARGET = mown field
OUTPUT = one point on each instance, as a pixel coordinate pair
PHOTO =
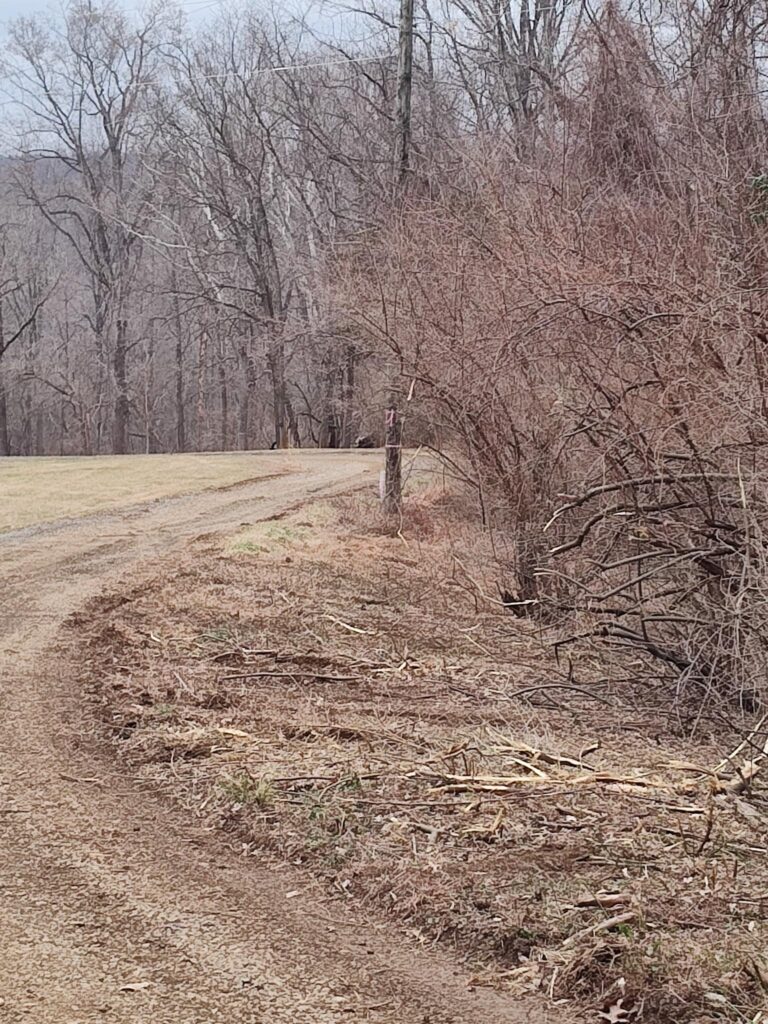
(39, 490)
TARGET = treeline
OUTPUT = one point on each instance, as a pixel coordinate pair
(182, 206)
(179, 202)
(172, 208)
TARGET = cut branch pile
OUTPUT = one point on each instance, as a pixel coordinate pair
(566, 772)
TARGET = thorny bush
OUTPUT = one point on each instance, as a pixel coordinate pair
(588, 332)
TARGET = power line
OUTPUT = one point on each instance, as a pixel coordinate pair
(274, 69)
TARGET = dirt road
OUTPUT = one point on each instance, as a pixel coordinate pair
(113, 906)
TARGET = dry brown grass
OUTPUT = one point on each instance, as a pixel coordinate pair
(38, 490)
(353, 702)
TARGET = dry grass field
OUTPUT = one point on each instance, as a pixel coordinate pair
(38, 490)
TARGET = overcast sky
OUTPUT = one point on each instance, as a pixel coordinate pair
(323, 14)
(328, 20)
(13, 8)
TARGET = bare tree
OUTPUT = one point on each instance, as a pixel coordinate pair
(86, 89)
(23, 293)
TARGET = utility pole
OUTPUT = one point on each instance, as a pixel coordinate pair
(404, 83)
(393, 459)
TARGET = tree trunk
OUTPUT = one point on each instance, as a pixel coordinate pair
(150, 439)
(39, 433)
(276, 361)
(5, 444)
(329, 426)
(120, 423)
(293, 423)
(244, 400)
(31, 417)
(25, 440)
(181, 427)
(224, 399)
(404, 84)
(347, 396)
(201, 405)
(97, 426)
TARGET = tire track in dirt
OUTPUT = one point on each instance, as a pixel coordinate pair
(103, 885)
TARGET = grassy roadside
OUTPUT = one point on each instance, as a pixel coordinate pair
(38, 490)
(346, 699)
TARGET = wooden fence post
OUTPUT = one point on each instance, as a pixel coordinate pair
(393, 457)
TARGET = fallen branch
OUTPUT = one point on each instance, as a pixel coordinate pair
(504, 783)
(747, 741)
(596, 929)
(291, 675)
(604, 900)
(346, 625)
(557, 686)
(535, 753)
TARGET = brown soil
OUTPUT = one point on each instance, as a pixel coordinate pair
(116, 907)
(352, 703)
